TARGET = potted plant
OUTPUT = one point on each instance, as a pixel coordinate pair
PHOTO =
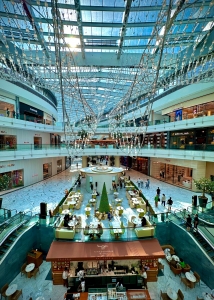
(206, 186)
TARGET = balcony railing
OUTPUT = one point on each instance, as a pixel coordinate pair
(30, 147)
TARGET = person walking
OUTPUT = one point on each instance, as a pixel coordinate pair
(144, 277)
(141, 183)
(156, 200)
(77, 166)
(169, 202)
(158, 191)
(196, 221)
(188, 223)
(147, 183)
(138, 182)
(163, 200)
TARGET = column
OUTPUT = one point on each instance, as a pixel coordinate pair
(84, 162)
(117, 161)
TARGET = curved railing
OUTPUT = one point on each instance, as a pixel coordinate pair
(6, 214)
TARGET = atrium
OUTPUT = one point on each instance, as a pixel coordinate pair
(104, 105)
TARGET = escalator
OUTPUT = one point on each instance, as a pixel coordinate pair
(204, 236)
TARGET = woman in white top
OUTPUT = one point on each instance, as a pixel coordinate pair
(144, 277)
(65, 277)
(163, 200)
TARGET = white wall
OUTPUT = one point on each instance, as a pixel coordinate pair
(25, 136)
(33, 168)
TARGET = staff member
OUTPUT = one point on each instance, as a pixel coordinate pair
(144, 277)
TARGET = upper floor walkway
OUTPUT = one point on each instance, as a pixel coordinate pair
(157, 125)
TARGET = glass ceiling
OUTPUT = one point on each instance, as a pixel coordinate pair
(98, 56)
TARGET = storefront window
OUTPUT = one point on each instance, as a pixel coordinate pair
(180, 176)
(10, 180)
(47, 170)
(182, 139)
(67, 162)
(37, 142)
(59, 166)
(8, 142)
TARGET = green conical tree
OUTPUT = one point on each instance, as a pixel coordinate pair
(104, 205)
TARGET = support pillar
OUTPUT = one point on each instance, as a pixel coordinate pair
(84, 162)
(117, 161)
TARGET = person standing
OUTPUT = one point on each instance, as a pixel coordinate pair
(147, 183)
(83, 284)
(156, 200)
(169, 202)
(8, 112)
(141, 183)
(65, 277)
(196, 221)
(163, 200)
(138, 182)
(77, 166)
(188, 222)
(144, 277)
(14, 114)
(158, 191)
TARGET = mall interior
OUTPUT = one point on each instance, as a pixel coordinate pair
(106, 115)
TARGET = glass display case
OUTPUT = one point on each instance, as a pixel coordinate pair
(97, 294)
(114, 293)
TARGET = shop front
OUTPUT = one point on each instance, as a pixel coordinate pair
(171, 173)
(30, 113)
(59, 166)
(140, 164)
(12, 180)
(8, 142)
(105, 263)
(47, 170)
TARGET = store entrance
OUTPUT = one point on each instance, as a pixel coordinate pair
(37, 142)
(177, 175)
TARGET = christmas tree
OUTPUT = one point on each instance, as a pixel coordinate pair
(104, 205)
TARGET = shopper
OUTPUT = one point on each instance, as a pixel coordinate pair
(169, 202)
(65, 277)
(163, 200)
(8, 112)
(138, 182)
(83, 284)
(196, 221)
(147, 184)
(144, 277)
(14, 114)
(188, 223)
(158, 191)
(156, 200)
(141, 183)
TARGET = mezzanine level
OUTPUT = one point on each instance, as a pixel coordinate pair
(30, 151)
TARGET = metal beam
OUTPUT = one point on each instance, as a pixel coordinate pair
(124, 24)
(79, 24)
(31, 16)
(107, 8)
(109, 25)
(105, 37)
(33, 42)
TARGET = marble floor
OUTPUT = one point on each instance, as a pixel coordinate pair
(51, 191)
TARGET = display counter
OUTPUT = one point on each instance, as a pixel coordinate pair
(138, 295)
